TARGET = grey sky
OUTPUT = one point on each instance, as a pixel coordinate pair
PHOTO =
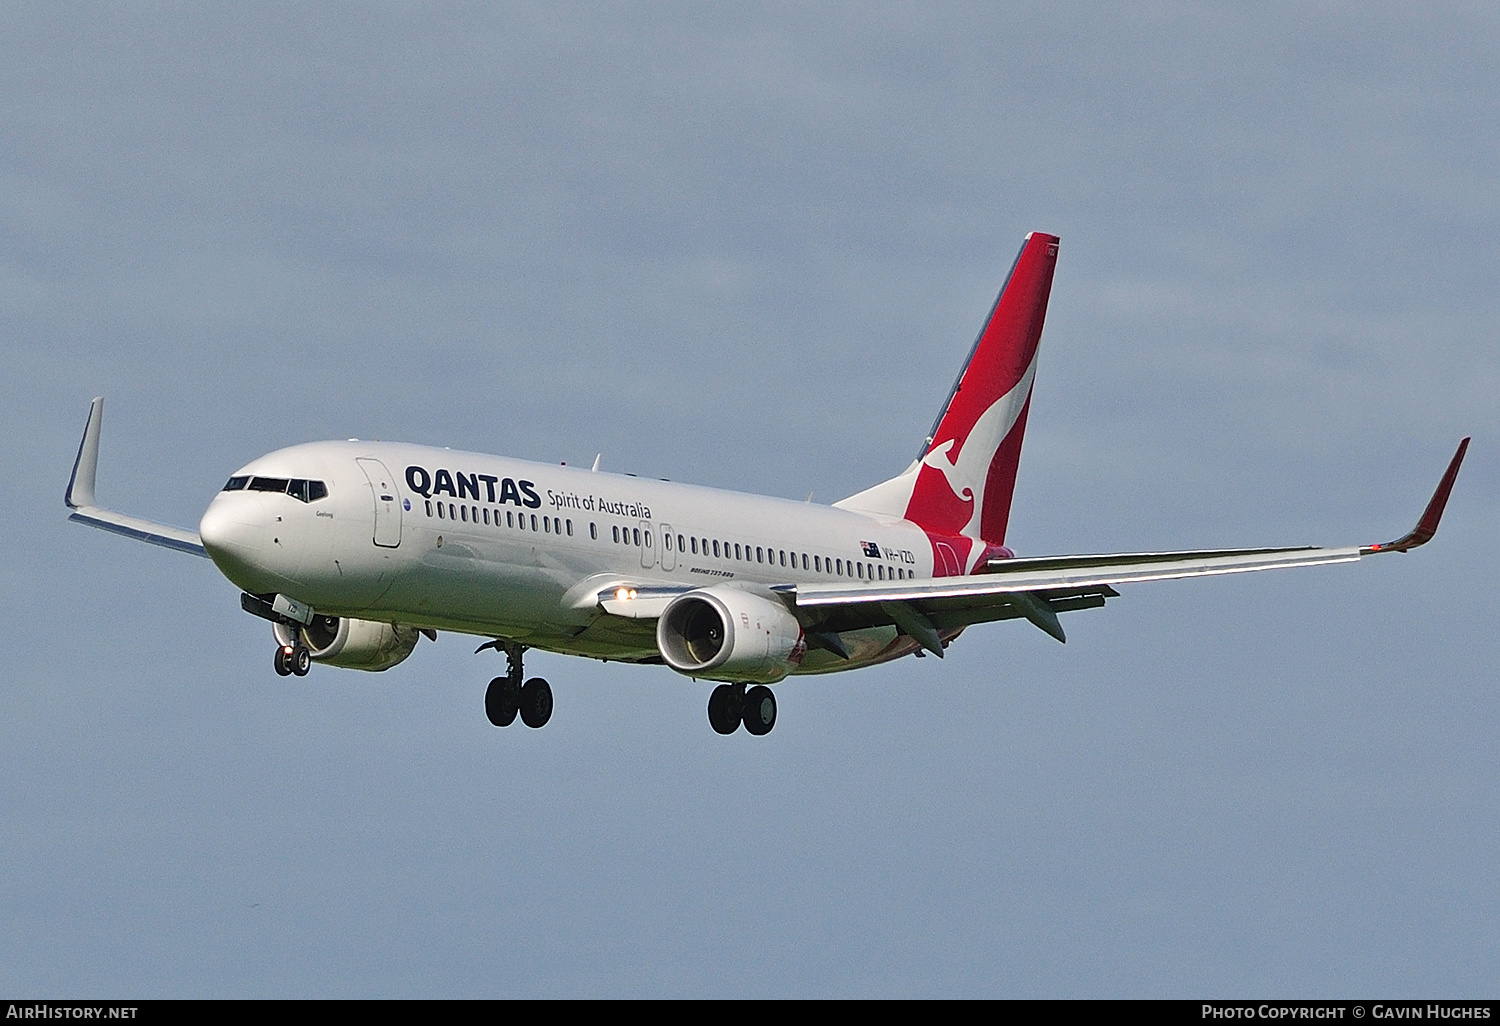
(748, 248)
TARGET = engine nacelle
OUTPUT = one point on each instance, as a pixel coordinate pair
(357, 644)
(726, 633)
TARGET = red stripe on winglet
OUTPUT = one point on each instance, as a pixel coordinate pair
(1428, 525)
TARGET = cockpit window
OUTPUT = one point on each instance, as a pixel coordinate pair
(236, 483)
(299, 488)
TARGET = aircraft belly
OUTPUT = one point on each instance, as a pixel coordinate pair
(498, 591)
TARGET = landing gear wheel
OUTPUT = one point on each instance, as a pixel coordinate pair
(724, 708)
(502, 701)
(536, 702)
(760, 710)
(301, 661)
(283, 661)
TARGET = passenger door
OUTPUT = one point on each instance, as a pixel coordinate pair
(387, 504)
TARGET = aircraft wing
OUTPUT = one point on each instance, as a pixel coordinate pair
(80, 498)
(1039, 588)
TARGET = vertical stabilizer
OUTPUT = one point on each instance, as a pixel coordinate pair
(962, 482)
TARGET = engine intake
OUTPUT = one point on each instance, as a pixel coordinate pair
(356, 644)
(727, 633)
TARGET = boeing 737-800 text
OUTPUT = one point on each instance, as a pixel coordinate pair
(354, 550)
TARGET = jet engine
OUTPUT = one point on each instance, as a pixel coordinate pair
(727, 633)
(357, 644)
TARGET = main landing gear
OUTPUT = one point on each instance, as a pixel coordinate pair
(730, 705)
(293, 659)
(507, 696)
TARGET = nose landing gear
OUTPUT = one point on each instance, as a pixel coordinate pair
(507, 696)
(293, 659)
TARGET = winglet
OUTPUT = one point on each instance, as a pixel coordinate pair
(86, 466)
(81, 499)
(1428, 525)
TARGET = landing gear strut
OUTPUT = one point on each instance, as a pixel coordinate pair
(507, 696)
(730, 705)
(293, 659)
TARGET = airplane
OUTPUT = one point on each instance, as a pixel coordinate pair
(355, 550)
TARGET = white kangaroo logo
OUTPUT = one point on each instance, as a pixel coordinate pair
(966, 475)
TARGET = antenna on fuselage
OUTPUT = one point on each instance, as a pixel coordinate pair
(595, 468)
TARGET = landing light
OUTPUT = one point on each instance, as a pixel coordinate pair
(625, 593)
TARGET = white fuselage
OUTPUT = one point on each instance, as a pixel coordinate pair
(517, 550)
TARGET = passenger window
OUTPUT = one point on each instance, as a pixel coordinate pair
(716, 546)
(463, 512)
(840, 564)
(782, 553)
(648, 539)
(547, 525)
(533, 521)
(440, 511)
(666, 540)
(569, 524)
(737, 551)
(818, 564)
(486, 514)
(804, 561)
(694, 542)
(679, 543)
(637, 536)
(508, 522)
(860, 567)
(429, 507)
(593, 531)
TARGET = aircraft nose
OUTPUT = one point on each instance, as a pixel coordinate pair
(233, 539)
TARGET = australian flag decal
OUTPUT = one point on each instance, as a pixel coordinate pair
(871, 549)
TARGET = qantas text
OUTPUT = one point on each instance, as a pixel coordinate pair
(464, 486)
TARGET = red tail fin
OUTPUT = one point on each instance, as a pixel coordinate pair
(969, 463)
(961, 484)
